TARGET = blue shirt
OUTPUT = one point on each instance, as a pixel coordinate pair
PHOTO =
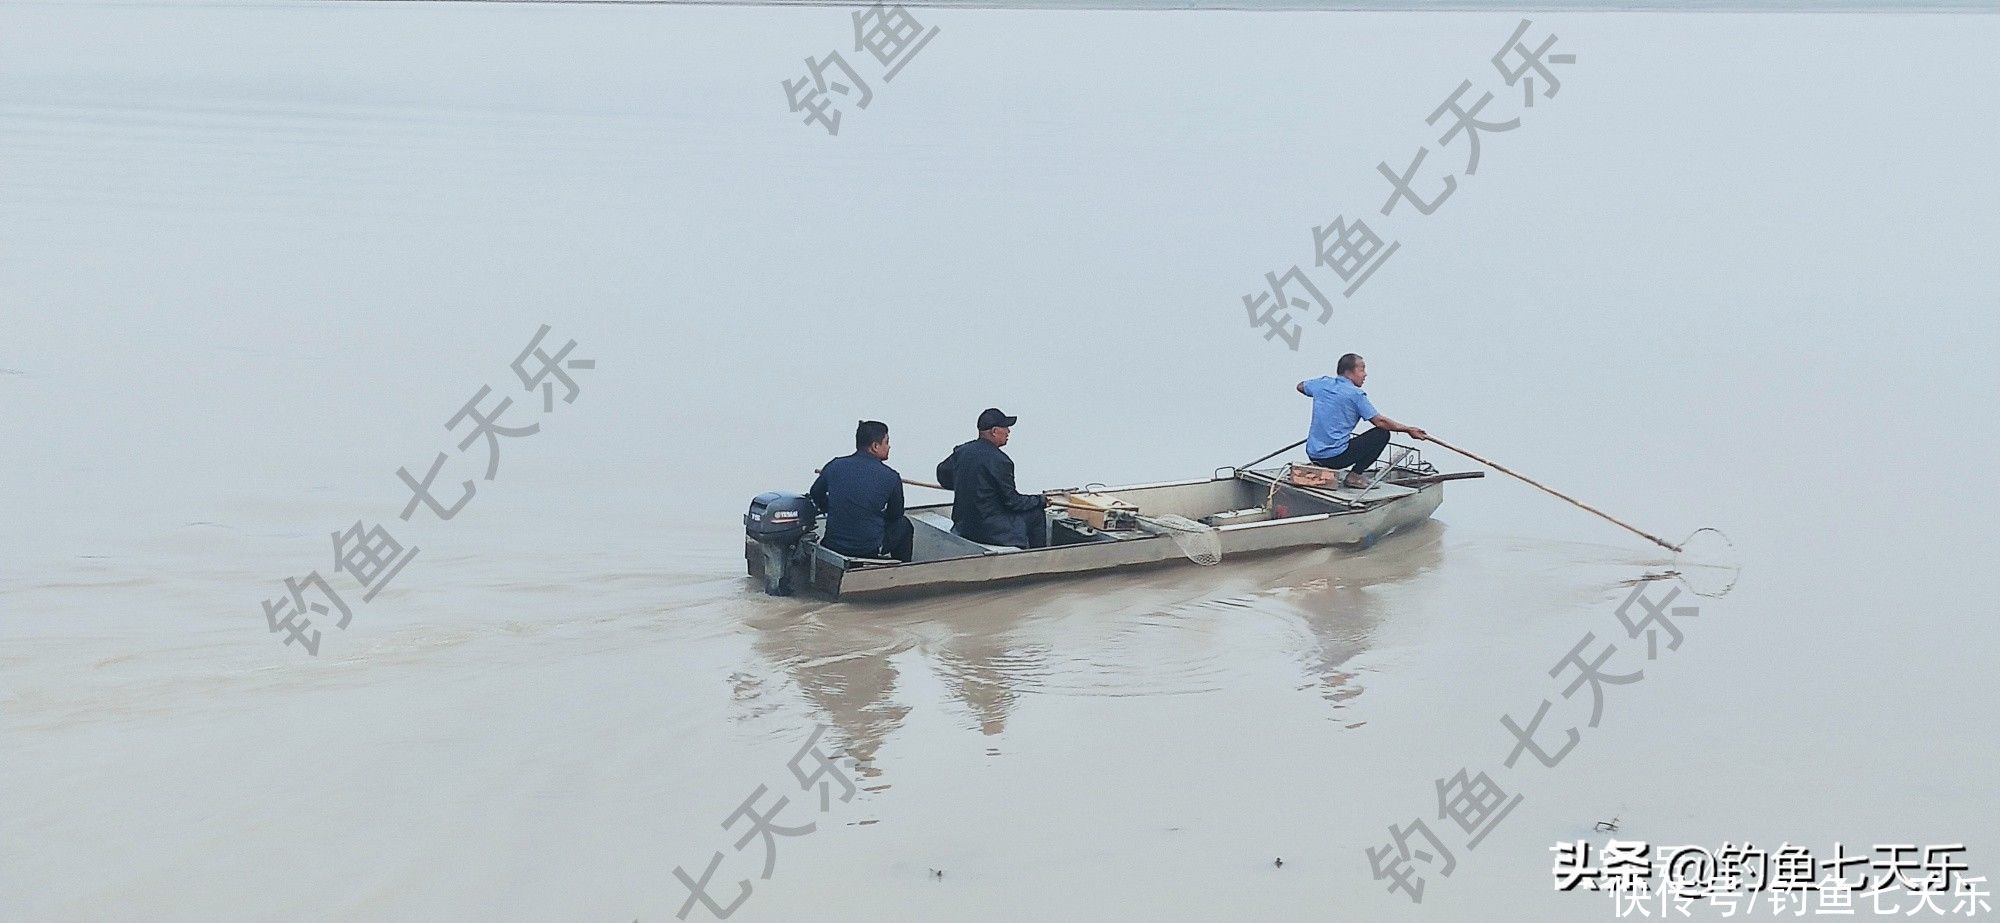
(860, 496)
(1337, 406)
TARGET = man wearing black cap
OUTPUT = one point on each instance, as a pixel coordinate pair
(985, 506)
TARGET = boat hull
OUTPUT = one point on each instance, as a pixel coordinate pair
(1309, 518)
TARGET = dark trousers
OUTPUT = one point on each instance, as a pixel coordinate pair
(1361, 451)
(1035, 523)
(897, 538)
(1023, 529)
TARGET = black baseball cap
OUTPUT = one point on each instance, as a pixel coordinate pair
(992, 417)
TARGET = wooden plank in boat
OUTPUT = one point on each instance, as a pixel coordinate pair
(1374, 494)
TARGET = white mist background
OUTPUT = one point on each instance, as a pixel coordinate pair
(1738, 273)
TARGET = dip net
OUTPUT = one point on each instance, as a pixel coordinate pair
(1707, 563)
(1201, 543)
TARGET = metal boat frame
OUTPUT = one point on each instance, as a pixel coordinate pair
(1292, 517)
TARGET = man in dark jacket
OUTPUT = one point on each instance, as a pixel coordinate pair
(863, 500)
(985, 506)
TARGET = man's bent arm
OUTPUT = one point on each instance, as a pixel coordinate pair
(1395, 427)
(895, 508)
(1011, 497)
(818, 492)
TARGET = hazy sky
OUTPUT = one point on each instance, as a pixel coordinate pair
(1737, 273)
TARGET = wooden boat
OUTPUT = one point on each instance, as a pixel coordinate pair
(1251, 511)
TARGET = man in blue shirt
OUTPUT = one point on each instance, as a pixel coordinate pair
(1338, 404)
(863, 500)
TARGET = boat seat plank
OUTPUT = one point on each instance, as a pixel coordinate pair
(1348, 494)
(1377, 492)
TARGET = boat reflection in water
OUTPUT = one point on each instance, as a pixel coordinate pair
(1153, 633)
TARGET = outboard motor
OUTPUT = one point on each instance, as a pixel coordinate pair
(776, 522)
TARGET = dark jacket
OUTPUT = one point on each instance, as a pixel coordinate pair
(860, 496)
(985, 507)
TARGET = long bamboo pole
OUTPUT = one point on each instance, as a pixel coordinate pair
(1503, 469)
(1246, 466)
(913, 483)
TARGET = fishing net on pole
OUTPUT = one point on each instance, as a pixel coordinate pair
(1706, 563)
(1201, 543)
